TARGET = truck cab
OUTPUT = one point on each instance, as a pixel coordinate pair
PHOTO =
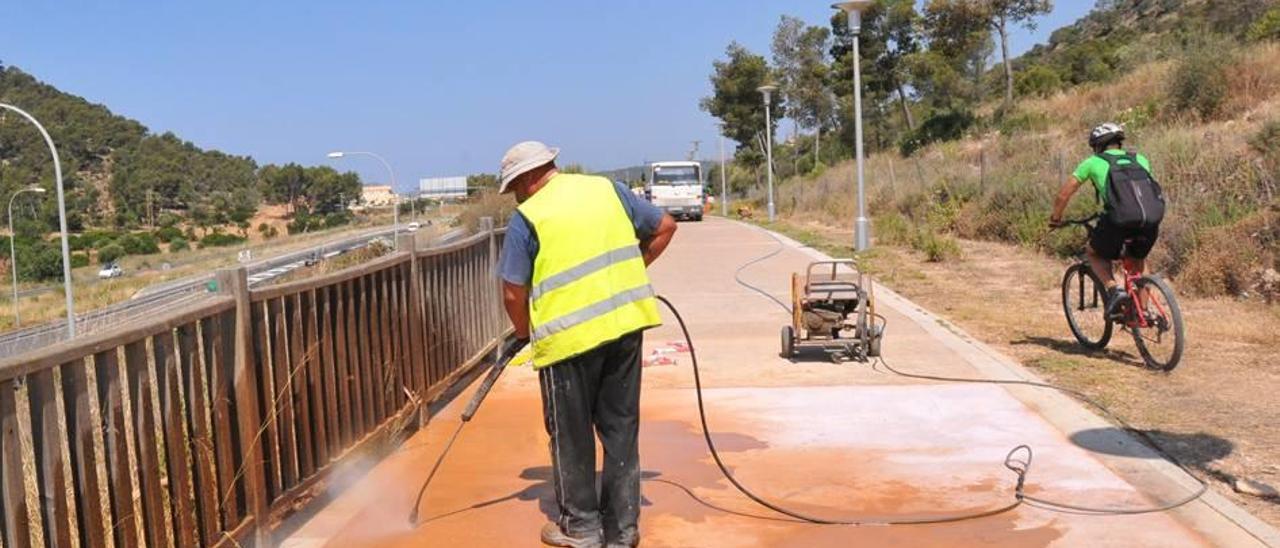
(676, 188)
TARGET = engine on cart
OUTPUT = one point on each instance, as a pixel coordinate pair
(833, 309)
(827, 316)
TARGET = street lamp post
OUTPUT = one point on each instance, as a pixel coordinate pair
(395, 216)
(768, 90)
(62, 218)
(724, 186)
(13, 254)
(862, 225)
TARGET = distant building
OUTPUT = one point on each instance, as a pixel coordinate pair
(377, 195)
(443, 188)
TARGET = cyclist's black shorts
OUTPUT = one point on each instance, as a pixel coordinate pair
(1108, 240)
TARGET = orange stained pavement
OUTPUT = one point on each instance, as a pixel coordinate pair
(839, 441)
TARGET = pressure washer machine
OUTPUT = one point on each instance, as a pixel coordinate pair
(833, 308)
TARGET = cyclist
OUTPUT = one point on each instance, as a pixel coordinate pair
(1106, 241)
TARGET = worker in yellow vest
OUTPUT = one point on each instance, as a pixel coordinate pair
(574, 284)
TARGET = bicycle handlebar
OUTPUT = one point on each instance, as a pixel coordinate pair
(1087, 222)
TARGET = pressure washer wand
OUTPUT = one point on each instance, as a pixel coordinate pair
(509, 353)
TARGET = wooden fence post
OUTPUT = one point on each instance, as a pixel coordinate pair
(417, 333)
(235, 282)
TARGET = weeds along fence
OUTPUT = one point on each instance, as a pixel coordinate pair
(210, 423)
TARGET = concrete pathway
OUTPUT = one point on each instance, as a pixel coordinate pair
(841, 441)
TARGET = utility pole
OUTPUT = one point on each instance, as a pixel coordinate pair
(62, 218)
(724, 187)
(862, 225)
(767, 90)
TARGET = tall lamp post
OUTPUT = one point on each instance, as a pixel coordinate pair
(724, 186)
(862, 225)
(13, 255)
(767, 90)
(396, 210)
(62, 218)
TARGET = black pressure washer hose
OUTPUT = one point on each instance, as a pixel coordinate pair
(1042, 503)
(1020, 467)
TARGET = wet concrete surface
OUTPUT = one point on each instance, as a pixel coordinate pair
(844, 441)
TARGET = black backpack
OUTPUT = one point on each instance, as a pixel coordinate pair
(1134, 198)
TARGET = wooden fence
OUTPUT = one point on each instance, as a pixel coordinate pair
(208, 425)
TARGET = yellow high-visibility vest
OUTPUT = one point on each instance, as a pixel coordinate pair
(589, 282)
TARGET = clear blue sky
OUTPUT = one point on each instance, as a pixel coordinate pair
(438, 87)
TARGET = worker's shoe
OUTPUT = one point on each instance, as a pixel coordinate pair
(553, 535)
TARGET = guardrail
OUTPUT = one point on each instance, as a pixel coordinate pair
(166, 295)
(209, 424)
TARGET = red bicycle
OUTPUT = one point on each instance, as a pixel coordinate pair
(1150, 312)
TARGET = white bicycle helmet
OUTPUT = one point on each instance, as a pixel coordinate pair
(1104, 135)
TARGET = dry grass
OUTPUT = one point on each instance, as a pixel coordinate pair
(1220, 397)
(999, 186)
(486, 203)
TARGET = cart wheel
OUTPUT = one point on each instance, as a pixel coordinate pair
(788, 342)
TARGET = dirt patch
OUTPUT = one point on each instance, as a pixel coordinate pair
(1215, 413)
(275, 216)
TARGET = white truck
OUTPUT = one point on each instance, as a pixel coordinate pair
(676, 188)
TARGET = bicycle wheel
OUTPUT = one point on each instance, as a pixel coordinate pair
(1162, 341)
(1084, 302)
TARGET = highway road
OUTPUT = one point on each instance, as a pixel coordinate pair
(183, 291)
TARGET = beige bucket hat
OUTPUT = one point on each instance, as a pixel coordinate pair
(521, 158)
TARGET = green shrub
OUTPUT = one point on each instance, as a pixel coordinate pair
(1037, 81)
(74, 241)
(1265, 28)
(79, 260)
(219, 239)
(96, 239)
(268, 231)
(1199, 83)
(336, 219)
(110, 253)
(167, 220)
(946, 125)
(139, 244)
(178, 244)
(168, 233)
(304, 222)
(39, 261)
(937, 247)
(893, 229)
(1267, 141)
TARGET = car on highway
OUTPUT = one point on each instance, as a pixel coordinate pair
(110, 270)
(414, 226)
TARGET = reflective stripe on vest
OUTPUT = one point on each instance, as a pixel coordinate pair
(595, 264)
(589, 282)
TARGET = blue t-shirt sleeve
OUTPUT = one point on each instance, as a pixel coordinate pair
(645, 216)
(519, 247)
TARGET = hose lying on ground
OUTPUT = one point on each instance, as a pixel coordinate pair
(1019, 466)
(1039, 502)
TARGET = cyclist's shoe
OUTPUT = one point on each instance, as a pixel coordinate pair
(1115, 298)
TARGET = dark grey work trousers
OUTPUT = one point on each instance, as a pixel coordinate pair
(597, 390)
